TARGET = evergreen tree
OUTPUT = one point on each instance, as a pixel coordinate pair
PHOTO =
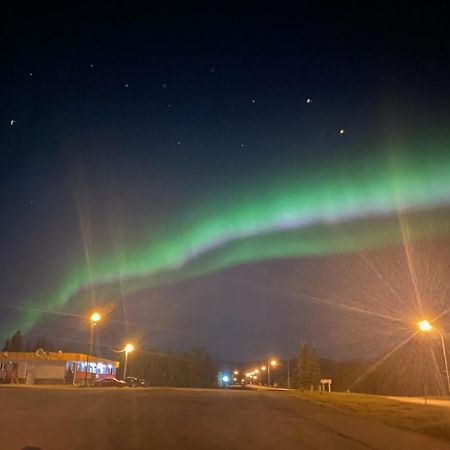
(6, 346)
(308, 368)
(16, 342)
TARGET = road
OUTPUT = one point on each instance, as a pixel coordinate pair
(134, 419)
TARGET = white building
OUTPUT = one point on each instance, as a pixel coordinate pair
(43, 367)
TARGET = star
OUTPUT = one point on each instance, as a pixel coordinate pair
(253, 101)
(12, 122)
(308, 100)
(30, 74)
(341, 131)
(179, 142)
(126, 85)
(164, 85)
(212, 70)
(91, 66)
(242, 145)
(169, 105)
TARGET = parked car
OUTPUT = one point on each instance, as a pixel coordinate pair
(135, 382)
(110, 382)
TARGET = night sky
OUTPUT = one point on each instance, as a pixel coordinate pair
(235, 178)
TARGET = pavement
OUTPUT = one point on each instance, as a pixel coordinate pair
(423, 401)
(168, 418)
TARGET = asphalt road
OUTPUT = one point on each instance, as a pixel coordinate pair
(110, 418)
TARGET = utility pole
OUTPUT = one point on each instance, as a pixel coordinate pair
(289, 373)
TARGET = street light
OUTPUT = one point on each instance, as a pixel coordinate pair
(93, 319)
(127, 349)
(272, 363)
(426, 327)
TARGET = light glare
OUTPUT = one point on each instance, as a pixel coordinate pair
(95, 317)
(424, 325)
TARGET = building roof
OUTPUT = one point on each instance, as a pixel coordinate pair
(55, 356)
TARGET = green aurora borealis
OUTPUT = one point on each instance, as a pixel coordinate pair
(328, 210)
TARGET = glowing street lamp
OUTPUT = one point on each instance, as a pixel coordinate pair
(127, 349)
(426, 327)
(93, 319)
(272, 363)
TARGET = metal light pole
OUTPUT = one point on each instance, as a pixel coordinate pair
(288, 373)
(95, 317)
(128, 348)
(426, 326)
(270, 363)
(445, 359)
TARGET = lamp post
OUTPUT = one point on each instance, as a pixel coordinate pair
(93, 319)
(426, 327)
(127, 349)
(272, 363)
(263, 369)
(289, 373)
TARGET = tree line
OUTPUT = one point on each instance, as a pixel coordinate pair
(418, 369)
(16, 344)
(194, 368)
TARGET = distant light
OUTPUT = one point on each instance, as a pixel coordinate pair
(236, 372)
(263, 367)
(225, 379)
(128, 348)
(424, 325)
(273, 362)
(95, 317)
(341, 131)
(308, 100)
